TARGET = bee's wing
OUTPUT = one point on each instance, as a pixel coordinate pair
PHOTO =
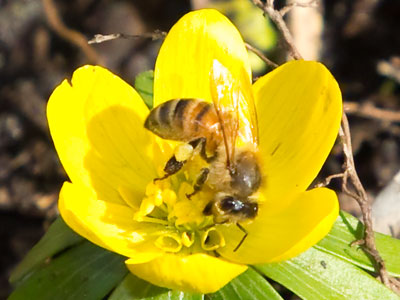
(248, 129)
(234, 104)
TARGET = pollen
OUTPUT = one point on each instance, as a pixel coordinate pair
(183, 152)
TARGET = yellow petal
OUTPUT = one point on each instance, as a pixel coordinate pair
(185, 59)
(276, 236)
(107, 224)
(96, 123)
(199, 273)
(299, 108)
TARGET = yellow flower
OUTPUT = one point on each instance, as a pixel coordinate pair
(96, 122)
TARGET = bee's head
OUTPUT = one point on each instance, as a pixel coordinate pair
(232, 207)
(235, 206)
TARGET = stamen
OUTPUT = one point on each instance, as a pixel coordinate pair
(163, 207)
(187, 239)
(169, 197)
(154, 220)
(184, 225)
(146, 207)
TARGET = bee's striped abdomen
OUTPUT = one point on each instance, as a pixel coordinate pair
(183, 120)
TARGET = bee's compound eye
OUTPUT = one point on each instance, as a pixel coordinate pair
(207, 211)
(252, 210)
(231, 204)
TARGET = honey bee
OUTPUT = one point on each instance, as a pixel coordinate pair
(226, 133)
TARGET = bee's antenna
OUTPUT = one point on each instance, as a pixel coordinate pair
(243, 238)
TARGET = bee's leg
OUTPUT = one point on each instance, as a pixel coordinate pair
(171, 167)
(201, 142)
(243, 238)
(199, 182)
(182, 153)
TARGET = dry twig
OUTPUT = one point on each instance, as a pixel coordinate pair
(101, 38)
(283, 11)
(390, 68)
(360, 195)
(328, 179)
(370, 111)
(261, 55)
(157, 34)
(349, 176)
(73, 36)
(277, 18)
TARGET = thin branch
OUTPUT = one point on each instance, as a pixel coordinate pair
(395, 282)
(70, 35)
(276, 17)
(390, 68)
(349, 176)
(283, 11)
(101, 38)
(157, 34)
(328, 180)
(369, 111)
(261, 55)
(361, 197)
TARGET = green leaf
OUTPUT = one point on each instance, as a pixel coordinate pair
(58, 237)
(134, 288)
(144, 86)
(82, 272)
(321, 276)
(348, 229)
(249, 285)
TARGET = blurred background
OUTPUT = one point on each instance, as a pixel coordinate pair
(44, 41)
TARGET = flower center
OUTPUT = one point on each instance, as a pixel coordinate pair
(185, 228)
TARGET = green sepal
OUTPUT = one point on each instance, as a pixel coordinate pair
(144, 86)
